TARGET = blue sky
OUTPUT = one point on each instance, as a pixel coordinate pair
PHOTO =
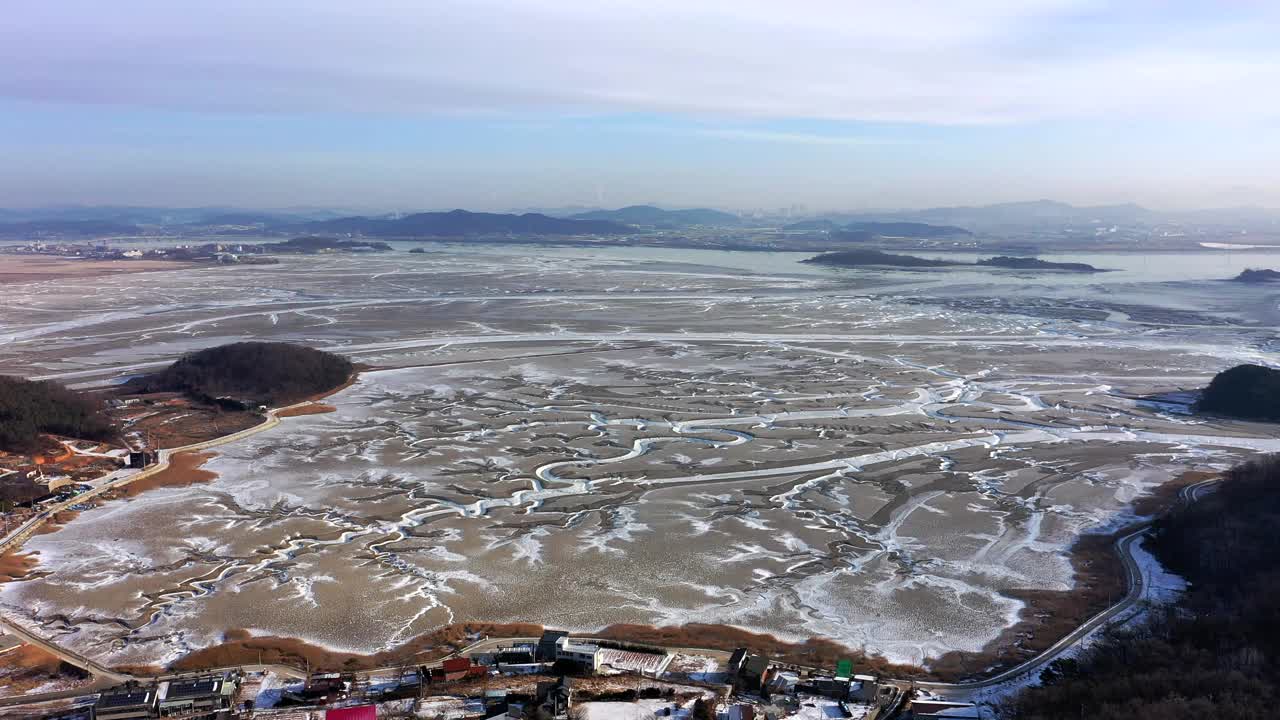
(398, 104)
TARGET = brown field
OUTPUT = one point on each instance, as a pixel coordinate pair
(184, 469)
(16, 565)
(238, 648)
(314, 408)
(24, 269)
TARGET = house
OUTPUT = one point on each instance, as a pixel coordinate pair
(736, 660)
(142, 458)
(321, 689)
(742, 712)
(199, 696)
(754, 673)
(126, 702)
(548, 644)
(863, 689)
(554, 697)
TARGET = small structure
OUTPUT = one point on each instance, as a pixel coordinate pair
(143, 458)
(199, 696)
(125, 702)
(754, 672)
(454, 669)
(585, 655)
(834, 688)
(321, 689)
(549, 643)
(555, 698)
(516, 655)
(863, 689)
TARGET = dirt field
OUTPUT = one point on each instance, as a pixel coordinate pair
(24, 269)
(184, 469)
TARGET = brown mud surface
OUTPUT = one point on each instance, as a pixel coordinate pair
(23, 269)
(15, 565)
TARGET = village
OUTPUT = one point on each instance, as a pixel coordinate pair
(556, 676)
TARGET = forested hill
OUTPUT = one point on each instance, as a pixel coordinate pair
(1214, 654)
(1251, 392)
(28, 409)
(251, 373)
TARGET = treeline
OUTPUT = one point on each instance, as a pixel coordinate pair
(1213, 654)
(29, 408)
(250, 374)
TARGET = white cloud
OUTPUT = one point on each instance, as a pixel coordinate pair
(976, 62)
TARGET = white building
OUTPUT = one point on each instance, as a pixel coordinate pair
(585, 654)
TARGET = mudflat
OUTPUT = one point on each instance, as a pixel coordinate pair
(35, 268)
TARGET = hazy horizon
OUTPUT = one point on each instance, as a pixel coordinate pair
(531, 103)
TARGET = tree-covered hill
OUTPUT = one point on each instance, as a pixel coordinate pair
(251, 373)
(1251, 392)
(29, 408)
(1214, 653)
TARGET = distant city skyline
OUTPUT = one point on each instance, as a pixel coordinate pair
(486, 105)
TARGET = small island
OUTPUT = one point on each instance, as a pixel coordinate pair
(1029, 263)
(1250, 392)
(316, 244)
(861, 258)
(250, 374)
(1257, 275)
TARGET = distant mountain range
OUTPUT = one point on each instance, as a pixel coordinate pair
(930, 223)
(459, 223)
(1050, 213)
(648, 215)
(871, 230)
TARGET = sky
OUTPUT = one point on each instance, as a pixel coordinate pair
(739, 104)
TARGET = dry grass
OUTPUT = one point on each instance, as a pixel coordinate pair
(184, 469)
(239, 648)
(314, 408)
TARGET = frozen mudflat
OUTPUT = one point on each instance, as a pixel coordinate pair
(579, 439)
